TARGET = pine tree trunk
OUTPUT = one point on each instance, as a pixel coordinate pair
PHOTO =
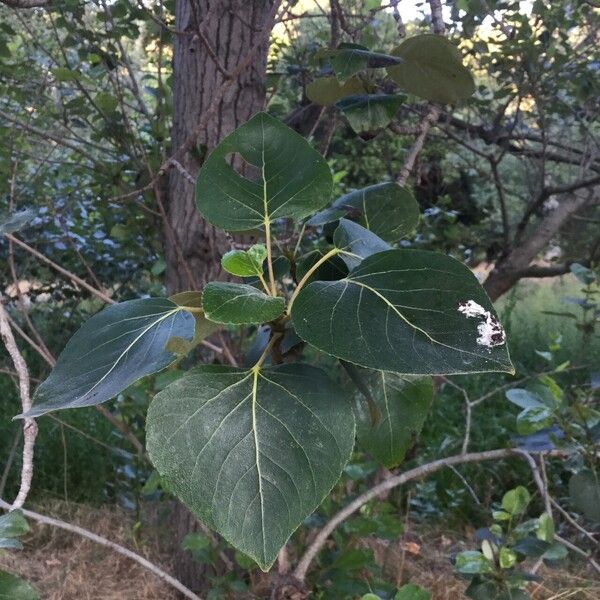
(231, 28)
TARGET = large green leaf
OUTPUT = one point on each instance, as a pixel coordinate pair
(356, 242)
(328, 90)
(386, 209)
(111, 350)
(369, 112)
(294, 180)
(406, 311)
(584, 489)
(12, 525)
(251, 452)
(403, 405)
(432, 68)
(15, 588)
(238, 303)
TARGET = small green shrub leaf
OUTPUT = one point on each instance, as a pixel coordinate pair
(293, 180)
(472, 562)
(251, 452)
(110, 351)
(238, 303)
(13, 524)
(406, 311)
(515, 501)
(403, 406)
(432, 68)
(245, 263)
(411, 591)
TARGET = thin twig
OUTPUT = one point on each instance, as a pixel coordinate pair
(29, 425)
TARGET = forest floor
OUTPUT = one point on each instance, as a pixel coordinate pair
(64, 566)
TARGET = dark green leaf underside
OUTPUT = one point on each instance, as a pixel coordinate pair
(112, 350)
(251, 452)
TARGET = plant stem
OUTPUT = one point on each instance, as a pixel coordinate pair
(308, 274)
(266, 351)
(269, 256)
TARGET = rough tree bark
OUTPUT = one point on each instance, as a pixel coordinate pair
(515, 265)
(218, 35)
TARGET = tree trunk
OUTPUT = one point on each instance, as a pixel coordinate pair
(231, 28)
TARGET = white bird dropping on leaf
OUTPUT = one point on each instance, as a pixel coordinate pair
(490, 331)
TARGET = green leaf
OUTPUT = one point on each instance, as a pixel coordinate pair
(112, 350)
(545, 530)
(13, 524)
(328, 90)
(524, 398)
(15, 588)
(238, 303)
(251, 452)
(332, 269)
(585, 275)
(508, 558)
(584, 490)
(404, 311)
(245, 263)
(356, 242)
(432, 68)
(294, 180)
(349, 59)
(530, 546)
(16, 221)
(203, 327)
(533, 419)
(556, 552)
(386, 209)
(369, 112)
(63, 74)
(412, 592)
(515, 501)
(403, 405)
(106, 102)
(472, 562)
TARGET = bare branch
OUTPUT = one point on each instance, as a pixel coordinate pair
(29, 425)
(104, 542)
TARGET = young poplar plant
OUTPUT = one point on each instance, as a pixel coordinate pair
(252, 451)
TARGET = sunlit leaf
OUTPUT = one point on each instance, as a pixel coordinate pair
(369, 112)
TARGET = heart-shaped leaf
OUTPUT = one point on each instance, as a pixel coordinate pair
(328, 90)
(403, 406)
(386, 209)
(357, 242)
(293, 181)
(238, 303)
(251, 452)
(369, 112)
(111, 350)
(406, 311)
(432, 68)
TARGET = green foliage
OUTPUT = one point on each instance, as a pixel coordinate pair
(251, 452)
(12, 526)
(15, 588)
(237, 303)
(245, 263)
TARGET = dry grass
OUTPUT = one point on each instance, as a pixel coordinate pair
(63, 566)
